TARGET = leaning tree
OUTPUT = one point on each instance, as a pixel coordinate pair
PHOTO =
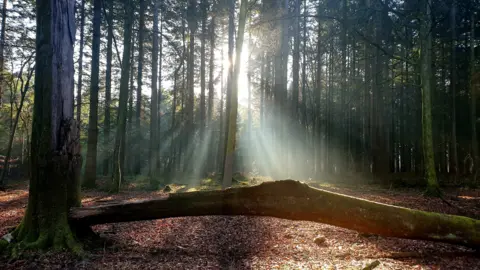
(55, 161)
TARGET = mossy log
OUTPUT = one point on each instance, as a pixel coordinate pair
(293, 200)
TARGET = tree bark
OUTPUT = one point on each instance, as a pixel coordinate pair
(159, 89)
(137, 133)
(190, 101)
(154, 103)
(91, 165)
(80, 63)
(118, 153)
(232, 112)
(221, 121)
(227, 179)
(211, 96)
(293, 200)
(2, 46)
(56, 158)
(426, 84)
(108, 86)
(203, 10)
(453, 83)
(317, 132)
(473, 96)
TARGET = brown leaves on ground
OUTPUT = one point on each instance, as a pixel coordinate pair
(238, 242)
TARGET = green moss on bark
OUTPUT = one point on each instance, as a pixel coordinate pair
(54, 234)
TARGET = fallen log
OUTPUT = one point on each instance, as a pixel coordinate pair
(293, 200)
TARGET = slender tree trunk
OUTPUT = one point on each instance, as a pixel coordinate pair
(304, 66)
(152, 151)
(296, 81)
(138, 116)
(159, 91)
(248, 155)
(342, 162)
(190, 102)
(453, 83)
(2, 47)
(118, 153)
(221, 122)
(80, 64)
(231, 33)
(284, 106)
(211, 96)
(56, 160)
(473, 96)
(91, 165)
(367, 161)
(262, 91)
(444, 121)
(304, 91)
(108, 87)
(203, 10)
(426, 82)
(296, 61)
(129, 139)
(318, 97)
(232, 112)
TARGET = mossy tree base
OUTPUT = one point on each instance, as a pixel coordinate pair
(57, 237)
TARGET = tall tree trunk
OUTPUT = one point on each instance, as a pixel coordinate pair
(91, 165)
(367, 159)
(296, 61)
(80, 64)
(203, 10)
(453, 83)
(211, 96)
(284, 106)
(119, 148)
(228, 98)
(108, 87)
(159, 91)
(296, 81)
(190, 102)
(318, 160)
(232, 112)
(304, 90)
(137, 133)
(129, 139)
(2, 47)
(304, 66)
(426, 82)
(344, 150)
(221, 122)
(247, 164)
(152, 151)
(54, 185)
(473, 96)
(262, 91)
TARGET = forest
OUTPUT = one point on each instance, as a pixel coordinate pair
(249, 134)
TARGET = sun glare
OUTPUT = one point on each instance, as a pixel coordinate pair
(243, 78)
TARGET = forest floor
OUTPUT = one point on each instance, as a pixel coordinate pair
(217, 242)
